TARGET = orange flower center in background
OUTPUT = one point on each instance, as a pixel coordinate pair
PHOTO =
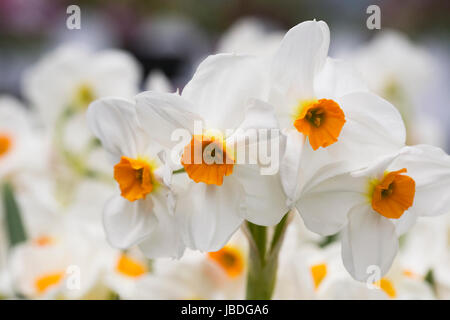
(5, 144)
(387, 286)
(321, 120)
(130, 267)
(394, 194)
(230, 259)
(43, 241)
(206, 160)
(135, 178)
(46, 281)
(318, 273)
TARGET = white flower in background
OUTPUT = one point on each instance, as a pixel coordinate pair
(249, 36)
(73, 77)
(213, 275)
(22, 148)
(375, 205)
(23, 158)
(324, 110)
(61, 265)
(182, 279)
(426, 244)
(401, 71)
(221, 194)
(142, 213)
(426, 248)
(158, 81)
(309, 272)
(403, 284)
(125, 271)
(392, 64)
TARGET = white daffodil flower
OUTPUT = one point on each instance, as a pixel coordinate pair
(142, 213)
(425, 251)
(324, 110)
(220, 194)
(73, 76)
(213, 275)
(183, 279)
(375, 205)
(404, 284)
(391, 64)
(58, 266)
(125, 271)
(403, 72)
(22, 148)
(310, 272)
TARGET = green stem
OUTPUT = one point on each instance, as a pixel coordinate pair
(15, 227)
(263, 260)
(179, 171)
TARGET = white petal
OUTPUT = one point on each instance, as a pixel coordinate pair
(325, 207)
(222, 86)
(259, 115)
(50, 84)
(164, 240)
(114, 73)
(338, 78)
(374, 127)
(265, 202)
(430, 168)
(368, 240)
(405, 222)
(128, 223)
(290, 170)
(162, 113)
(210, 214)
(301, 55)
(114, 122)
(255, 131)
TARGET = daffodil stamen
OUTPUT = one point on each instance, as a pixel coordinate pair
(206, 159)
(321, 120)
(394, 194)
(135, 178)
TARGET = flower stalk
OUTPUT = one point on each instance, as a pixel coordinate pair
(263, 259)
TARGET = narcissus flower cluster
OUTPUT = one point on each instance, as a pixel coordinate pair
(343, 161)
(274, 172)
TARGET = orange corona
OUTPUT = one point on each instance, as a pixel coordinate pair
(394, 194)
(321, 121)
(135, 178)
(206, 159)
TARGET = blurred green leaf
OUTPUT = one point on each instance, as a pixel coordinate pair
(16, 230)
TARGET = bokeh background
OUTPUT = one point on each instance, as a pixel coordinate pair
(174, 35)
